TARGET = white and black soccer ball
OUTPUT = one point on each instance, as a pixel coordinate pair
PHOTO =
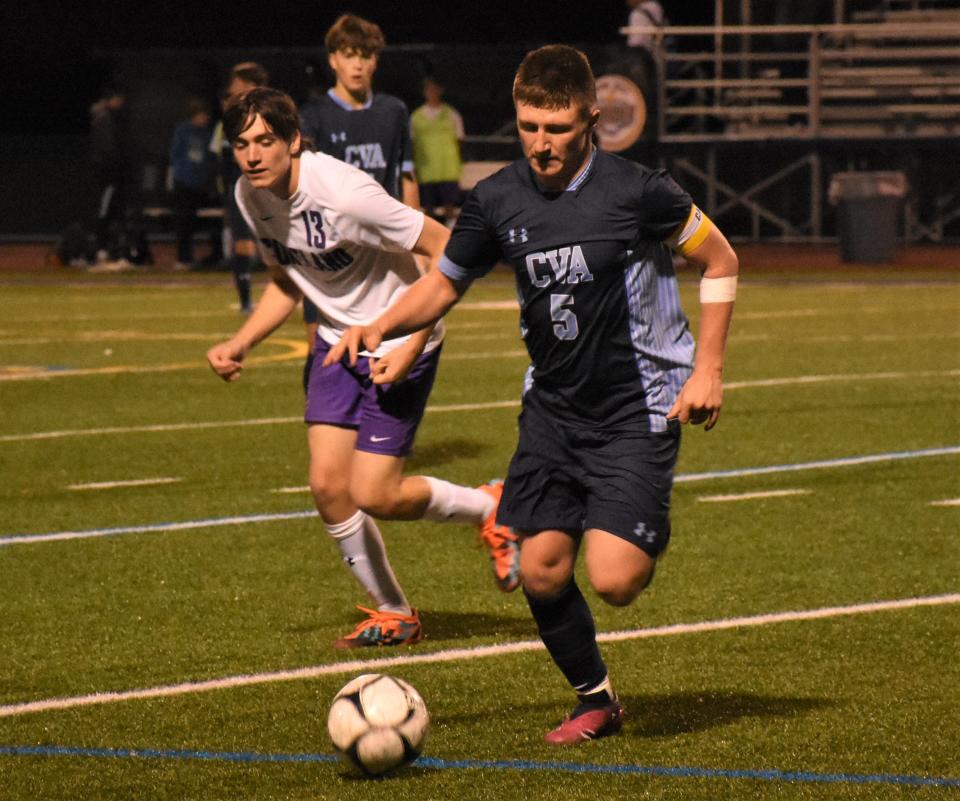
(378, 723)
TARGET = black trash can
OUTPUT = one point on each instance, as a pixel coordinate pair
(868, 213)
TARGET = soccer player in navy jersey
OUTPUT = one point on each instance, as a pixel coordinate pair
(351, 122)
(370, 130)
(614, 370)
(243, 250)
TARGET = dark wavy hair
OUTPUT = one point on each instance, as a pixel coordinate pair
(554, 77)
(276, 108)
(251, 72)
(351, 32)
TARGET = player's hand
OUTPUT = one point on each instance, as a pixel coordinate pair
(700, 400)
(354, 339)
(395, 365)
(226, 360)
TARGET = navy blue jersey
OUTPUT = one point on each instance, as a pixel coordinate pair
(375, 138)
(599, 303)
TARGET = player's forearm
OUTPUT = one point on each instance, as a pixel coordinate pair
(712, 339)
(421, 306)
(718, 266)
(275, 306)
(409, 190)
(418, 339)
(432, 242)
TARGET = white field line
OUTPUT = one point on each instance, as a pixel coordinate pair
(776, 315)
(453, 326)
(295, 349)
(114, 336)
(92, 432)
(459, 407)
(65, 319)
(262, 421)
(875, 338)
(494, 354)
(784, 314)
(30, 539)
(497, 337)
(454, 334)
(832, 378)
(134, 482)
(463, 654)
(489, 305)
(832, 338)
(298, 350)
(502, 305)
(749, 496)
(290, 490)
(947, 502)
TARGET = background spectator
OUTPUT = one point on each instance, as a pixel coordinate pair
(112, 160)
(437, 130)
(238, 239)
(193, 168)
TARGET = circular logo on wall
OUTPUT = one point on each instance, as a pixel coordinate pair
(623, 112)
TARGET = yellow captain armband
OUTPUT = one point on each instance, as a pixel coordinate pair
(718, 290)
(689, 236)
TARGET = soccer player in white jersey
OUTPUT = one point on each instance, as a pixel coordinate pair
(329, 231)
(614, 373)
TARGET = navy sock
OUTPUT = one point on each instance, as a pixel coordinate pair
(567, 629)
(241, 278)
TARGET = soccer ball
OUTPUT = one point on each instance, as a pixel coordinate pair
(378, 723)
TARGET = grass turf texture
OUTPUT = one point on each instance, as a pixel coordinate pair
(870, 694)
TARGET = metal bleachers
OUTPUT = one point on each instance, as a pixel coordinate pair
(760, 116)
(841, 81)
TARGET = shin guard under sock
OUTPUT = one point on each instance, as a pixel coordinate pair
(567, 629)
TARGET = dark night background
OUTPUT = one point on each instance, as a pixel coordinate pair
(56, 55)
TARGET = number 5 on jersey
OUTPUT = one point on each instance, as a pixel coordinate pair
(564, 320)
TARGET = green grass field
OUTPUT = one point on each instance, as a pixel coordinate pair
(845, 386)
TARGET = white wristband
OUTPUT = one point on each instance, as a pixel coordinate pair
(718, 290)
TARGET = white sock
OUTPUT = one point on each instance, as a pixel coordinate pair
(603, 686)
(362, 549)
(451, 503)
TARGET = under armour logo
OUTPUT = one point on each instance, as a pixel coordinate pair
(641, 532)
(349, 561)
(338, 137)
(517, 236)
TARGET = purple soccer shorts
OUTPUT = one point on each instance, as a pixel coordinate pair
(386, 417)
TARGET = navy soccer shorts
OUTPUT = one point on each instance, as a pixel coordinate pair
(573, 479)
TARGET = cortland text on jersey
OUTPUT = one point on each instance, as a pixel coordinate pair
(332, 260)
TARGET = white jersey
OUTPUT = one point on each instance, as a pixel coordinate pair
(342, 240)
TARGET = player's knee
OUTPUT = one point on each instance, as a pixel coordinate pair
(622, 590)
(544, 578)
(327, 488)
(381, 502)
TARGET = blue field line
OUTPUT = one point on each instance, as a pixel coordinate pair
(850, 461)
(155, 527)
(507, 764)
